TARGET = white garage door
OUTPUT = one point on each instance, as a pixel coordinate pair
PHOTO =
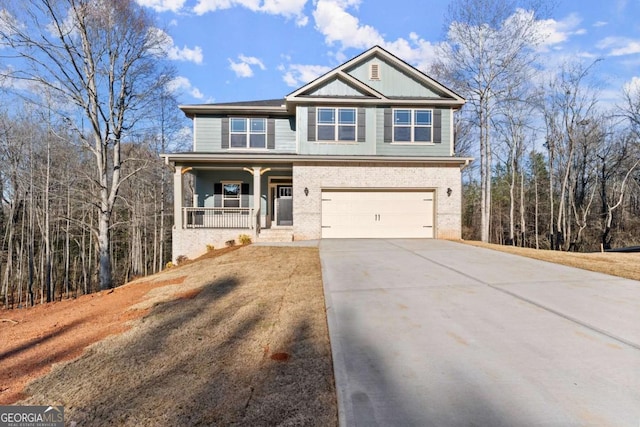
(377, 214)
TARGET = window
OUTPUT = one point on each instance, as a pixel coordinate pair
(412, 125)
(231, 192)
(247, 133)
(336, 124)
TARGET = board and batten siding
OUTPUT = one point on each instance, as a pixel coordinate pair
(208, 134)
(336, 88)
(442, 149)
(392, 82)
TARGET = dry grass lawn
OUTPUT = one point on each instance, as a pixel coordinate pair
(240, 339)
(625, 265)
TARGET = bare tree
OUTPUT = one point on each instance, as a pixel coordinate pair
(103, 58)
(569, 107)
(490, 48)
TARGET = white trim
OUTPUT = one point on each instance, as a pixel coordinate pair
(452, 136)
(385, 55)
(336, 125)
(195, 134)
(222, 196)
(271, 190)
(412, 126)
(248, 133)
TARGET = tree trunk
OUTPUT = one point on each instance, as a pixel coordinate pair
(104, 255)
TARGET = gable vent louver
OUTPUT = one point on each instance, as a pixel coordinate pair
(374, 72)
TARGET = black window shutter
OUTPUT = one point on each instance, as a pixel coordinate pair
(225, 132)
(244, 195)
(217, 194)
(271, 134)
(388, 125)
(361, 125)
(311, 124)
(437, 126)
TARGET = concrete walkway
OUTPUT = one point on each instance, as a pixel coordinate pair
(437, 333)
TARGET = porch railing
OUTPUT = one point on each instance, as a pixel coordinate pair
(218, 218)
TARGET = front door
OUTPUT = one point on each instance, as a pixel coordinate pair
(283, 206)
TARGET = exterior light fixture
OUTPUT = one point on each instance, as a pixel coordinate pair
(306, 191)
(449, 191)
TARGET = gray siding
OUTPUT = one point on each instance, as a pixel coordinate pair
(208, 134)
(285, 135)
(437, 150)
(392, 81)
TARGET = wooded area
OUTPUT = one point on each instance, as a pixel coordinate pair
(86, 201)
(557, 165)
(86, 113)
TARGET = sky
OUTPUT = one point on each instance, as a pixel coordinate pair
(242, 50)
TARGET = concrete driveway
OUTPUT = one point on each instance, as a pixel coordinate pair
(437, 333)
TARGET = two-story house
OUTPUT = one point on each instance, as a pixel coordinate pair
(364, 151)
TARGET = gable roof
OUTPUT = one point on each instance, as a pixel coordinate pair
(305, 94)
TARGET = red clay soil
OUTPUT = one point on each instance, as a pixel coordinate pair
(33, 339)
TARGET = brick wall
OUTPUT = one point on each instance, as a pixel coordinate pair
(306, 209)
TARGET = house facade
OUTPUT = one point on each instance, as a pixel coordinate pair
(364, 151)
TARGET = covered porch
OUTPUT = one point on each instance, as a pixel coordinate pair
(233, 197)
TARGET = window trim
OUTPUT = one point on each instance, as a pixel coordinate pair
(412, 126)
(248, 132)
(224, 197)
(336, 125)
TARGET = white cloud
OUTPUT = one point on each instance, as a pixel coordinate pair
(338, 25)
(175, 53)
(556, 32)
(182, 84)
(619, 46)
(287, 8)
(242, 68)
(162, 5)
(296, 75)
(600, 24)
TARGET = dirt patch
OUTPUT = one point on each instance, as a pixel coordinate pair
(209, 351)
(37, 338)
(625, 265)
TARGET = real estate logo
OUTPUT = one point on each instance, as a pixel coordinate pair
(31, 416)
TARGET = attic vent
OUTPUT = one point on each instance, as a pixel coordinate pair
(374, 72)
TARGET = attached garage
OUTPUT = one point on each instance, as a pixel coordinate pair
(392, 213)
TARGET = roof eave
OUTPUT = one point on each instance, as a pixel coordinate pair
(193, 110)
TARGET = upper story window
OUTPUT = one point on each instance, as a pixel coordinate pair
(336, 124)
(247, 133)
(412, 125)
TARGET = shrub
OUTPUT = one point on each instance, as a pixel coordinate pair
(244, 239)
(210, 248)
(230, 243)
(181, 259)
(169, 265)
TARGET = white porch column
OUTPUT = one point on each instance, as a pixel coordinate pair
(256, 187)
(177, 197)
